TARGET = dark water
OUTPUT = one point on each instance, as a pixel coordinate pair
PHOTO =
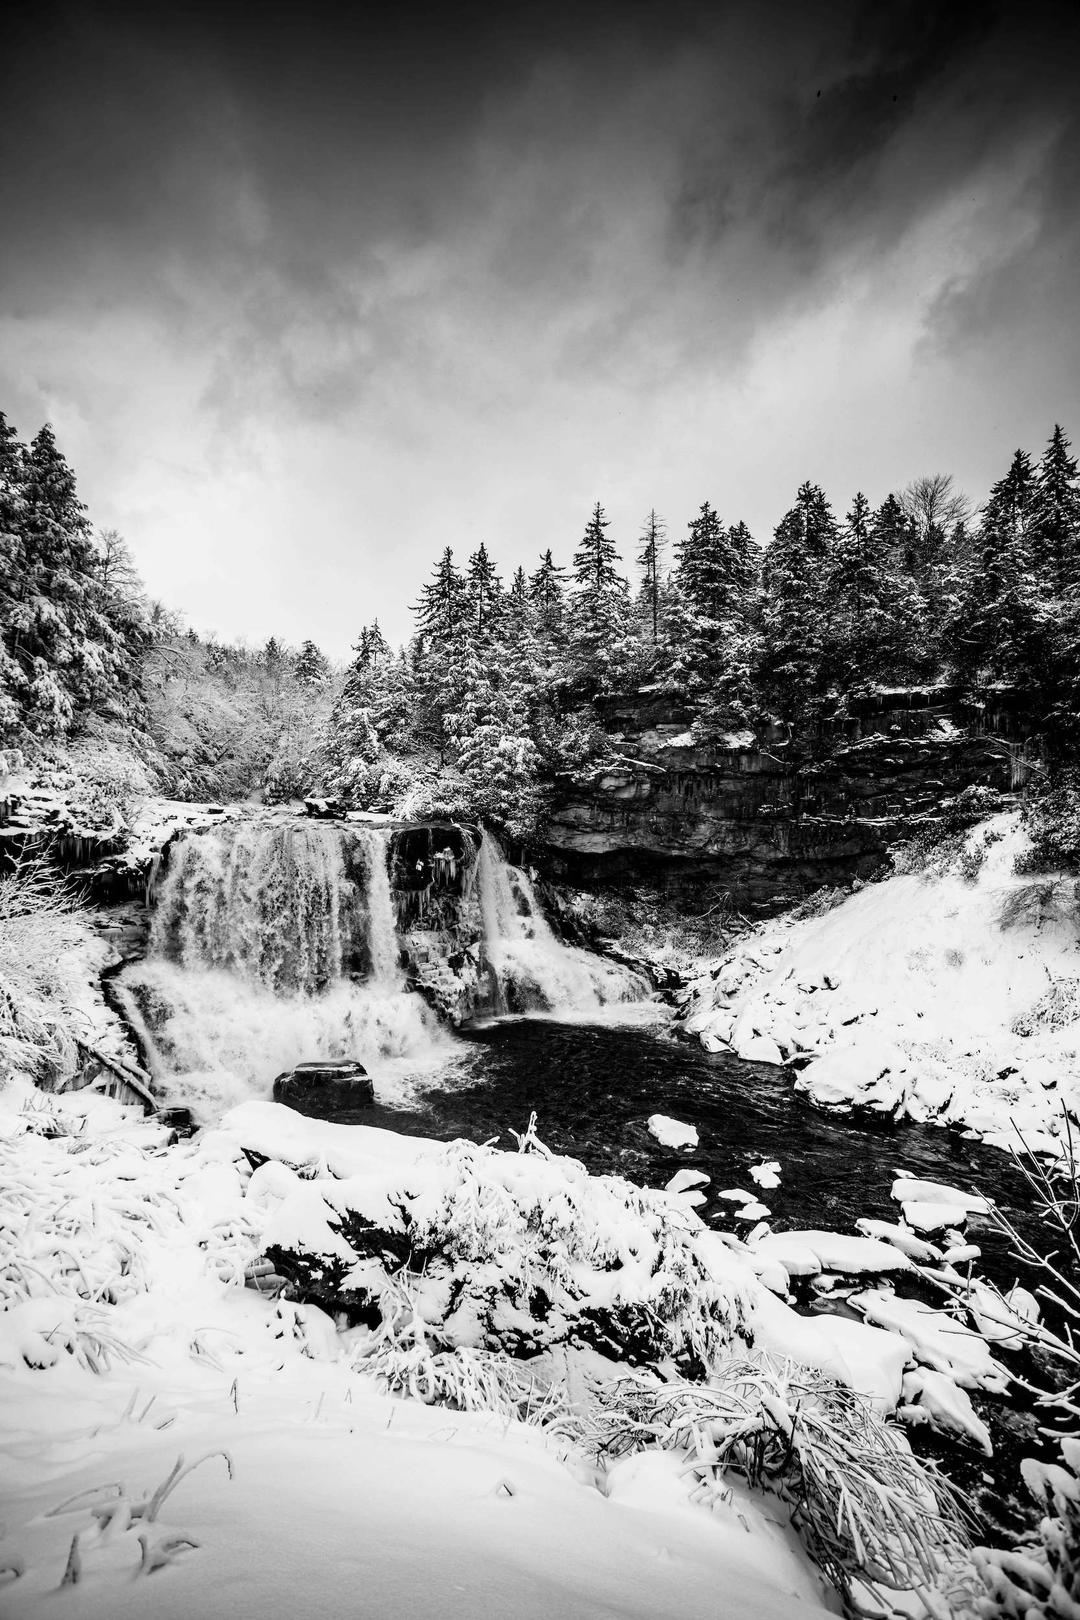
(593, 1089)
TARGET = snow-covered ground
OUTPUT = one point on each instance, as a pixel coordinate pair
(128, 1341)
(927, 996)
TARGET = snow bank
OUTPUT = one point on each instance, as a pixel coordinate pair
(128, 1343)
(924, 996)
(127, 1340)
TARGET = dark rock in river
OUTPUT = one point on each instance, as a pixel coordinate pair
(322, 1088)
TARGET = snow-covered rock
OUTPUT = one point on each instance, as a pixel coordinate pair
(672, 1133)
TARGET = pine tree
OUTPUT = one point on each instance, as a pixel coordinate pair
(872, 607)
(711, 605)
(484, 590)
(600, 601)
(443, 609)
(547, 592)
(1056, 516)
(312, 666)
(793, 661)
(69, 645)
(650, 559)
(997, 632)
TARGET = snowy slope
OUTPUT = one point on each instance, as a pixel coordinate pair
(929, 996)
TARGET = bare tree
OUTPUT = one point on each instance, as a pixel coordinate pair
(935, 502)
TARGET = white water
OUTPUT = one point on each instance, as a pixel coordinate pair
(261, 933)
(532, 968)
(255, 929)
(382, 924)
(268, 901)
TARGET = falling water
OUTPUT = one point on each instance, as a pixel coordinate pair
(270, 903)
(274, 943)
(531, 967)
(381, 923)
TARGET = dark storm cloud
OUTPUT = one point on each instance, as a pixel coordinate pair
(247, 250)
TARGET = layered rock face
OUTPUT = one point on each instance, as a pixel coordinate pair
(761, 818)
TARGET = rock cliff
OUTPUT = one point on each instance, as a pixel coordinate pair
(761, 817)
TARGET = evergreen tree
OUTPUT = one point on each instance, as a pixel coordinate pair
(1056, 516)
(710, 613)
(546, 593)
(484, 590)
(872, 609)
(997, 632)
(69, 644)
(312, 666)
(600, 602)
(443, 610)
(650, 559)
(794, 642)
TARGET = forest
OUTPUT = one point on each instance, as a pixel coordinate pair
(500, 689)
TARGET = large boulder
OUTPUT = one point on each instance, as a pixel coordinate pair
(325, 1088)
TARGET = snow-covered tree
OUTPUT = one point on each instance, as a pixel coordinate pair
(997, 632)
(484, 591)
(600, 620)
(650, 557)
(794, 610)
(312, 666)
(547, 591)
(873, 611)
(1056, 516)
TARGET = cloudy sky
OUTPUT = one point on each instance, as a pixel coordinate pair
(309, 293)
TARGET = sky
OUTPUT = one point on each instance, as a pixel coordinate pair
(311, 292)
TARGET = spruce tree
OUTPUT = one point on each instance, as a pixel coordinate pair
(68, 645)
(600, 603)
(872, 607)
(1056, 516)
(997, 632)
(650, 559)
(547, 588)
(443, 609)
(312, 667)
(484, 590)
(710, 620)
(793, 625)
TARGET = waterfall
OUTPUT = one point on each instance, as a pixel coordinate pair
(531, 967)
(381, 922)
(270, 903)
(274, 942)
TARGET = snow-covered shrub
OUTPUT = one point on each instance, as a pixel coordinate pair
(484, 1249)
(1056, 1007)
(1052, 820)
(1039, 1578)
(867, 1512)
(942, 849)
(35, 930)
(819, 903)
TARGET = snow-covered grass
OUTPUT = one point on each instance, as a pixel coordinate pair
(36, 931)
(947, 994)
(329, 1486)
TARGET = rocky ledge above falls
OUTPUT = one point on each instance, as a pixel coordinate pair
(754, 816)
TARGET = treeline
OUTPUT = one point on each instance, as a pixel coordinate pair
(500, 675)
(83, 649)
(494, 693)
